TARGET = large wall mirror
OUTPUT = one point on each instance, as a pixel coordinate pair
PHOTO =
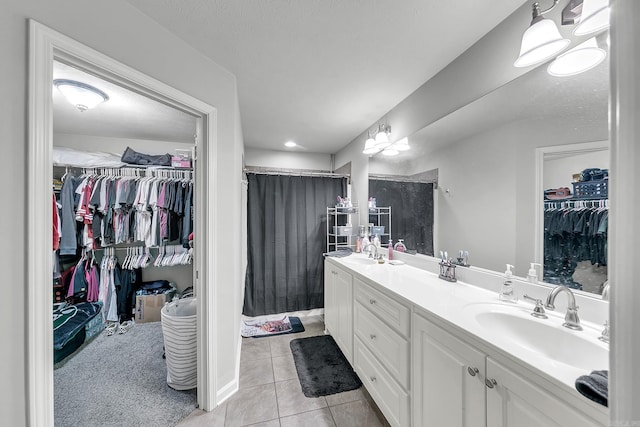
(484, 156)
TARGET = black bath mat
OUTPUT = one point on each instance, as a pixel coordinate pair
(322, 368)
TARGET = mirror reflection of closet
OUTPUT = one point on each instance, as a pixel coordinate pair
(576, 215)
(126, 119)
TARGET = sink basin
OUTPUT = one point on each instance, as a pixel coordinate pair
(545, 337)
(359, 260)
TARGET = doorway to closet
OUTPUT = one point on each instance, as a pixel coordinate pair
(123, 249)
(47, 46)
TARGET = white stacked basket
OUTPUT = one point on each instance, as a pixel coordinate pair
(180, 344)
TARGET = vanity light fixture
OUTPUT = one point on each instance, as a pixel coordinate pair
(80, 95)
(594, 18)
(581, 58)
(370, 145)
(401, 144)
(542, 40)
(382, 137)
(390, 151)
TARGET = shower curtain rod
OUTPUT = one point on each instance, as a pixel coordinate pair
(397, 178)
(294, 172)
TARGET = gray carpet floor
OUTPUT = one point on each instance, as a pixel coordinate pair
(119, 380)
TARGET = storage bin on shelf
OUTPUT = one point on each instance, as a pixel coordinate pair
(342, 230)
(377, 229)
(591, 189)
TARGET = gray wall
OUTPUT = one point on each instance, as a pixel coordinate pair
(293, 159)
(123, 33)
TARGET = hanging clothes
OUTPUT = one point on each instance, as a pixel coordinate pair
(573, 232)
(102, 210)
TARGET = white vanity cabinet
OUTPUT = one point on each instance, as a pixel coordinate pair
(381, 325)
(457, 385)
(338, 307)
(515, 401)
(448, 388)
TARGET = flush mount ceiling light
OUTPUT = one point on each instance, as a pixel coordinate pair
(581, 58)
(80, 95)
(290, 144)
(541, 40)
(595, 17)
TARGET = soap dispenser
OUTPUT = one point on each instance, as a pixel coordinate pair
(506, 292)
(532, 276)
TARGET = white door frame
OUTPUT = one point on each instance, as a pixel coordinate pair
(45, 45)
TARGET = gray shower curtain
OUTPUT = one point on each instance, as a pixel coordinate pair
(286, 226)
(411, 211)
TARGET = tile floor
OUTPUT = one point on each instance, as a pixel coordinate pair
(270, 393)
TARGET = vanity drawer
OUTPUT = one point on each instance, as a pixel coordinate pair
(395, 314)
(392, 400)
(391, 349)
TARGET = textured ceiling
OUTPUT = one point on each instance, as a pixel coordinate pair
(319, 72)
(126, 114)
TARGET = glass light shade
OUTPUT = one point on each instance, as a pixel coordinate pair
(541, 41)
(581, 58)
(370, 146)
(401, 145)
(382, 137)
(594, 18)
(390, 152)
(81, 95)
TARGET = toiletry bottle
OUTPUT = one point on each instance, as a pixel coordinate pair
(400, 247)
(506, 292)
(390, 256)
(364, 243)
(532, 276)
(376, 241)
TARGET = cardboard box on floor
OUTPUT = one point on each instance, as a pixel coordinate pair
(148, 307)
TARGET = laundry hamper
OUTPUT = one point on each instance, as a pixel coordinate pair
(179, 331)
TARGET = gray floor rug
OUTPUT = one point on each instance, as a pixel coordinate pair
(321, 366)
(119, 380)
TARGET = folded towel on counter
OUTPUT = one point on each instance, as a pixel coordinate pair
(343, 252)
(595, 386)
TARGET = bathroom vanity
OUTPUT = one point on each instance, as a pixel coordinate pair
(434, 353)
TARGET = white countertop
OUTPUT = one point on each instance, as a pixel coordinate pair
(449, 302)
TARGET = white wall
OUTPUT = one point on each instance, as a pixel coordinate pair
(559, 170)
(117, 145)
(287, 159)
(118, 30)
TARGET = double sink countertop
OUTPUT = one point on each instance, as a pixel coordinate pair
(556, 353)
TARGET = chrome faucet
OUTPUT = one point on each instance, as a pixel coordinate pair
(571, 318)
(605, 290)
(367, 249)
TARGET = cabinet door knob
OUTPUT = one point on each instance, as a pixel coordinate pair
(472, 371)
(373, 379)
(373, 336)
(372, 301)
(490, 382)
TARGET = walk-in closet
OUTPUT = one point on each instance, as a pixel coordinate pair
(123, 230)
